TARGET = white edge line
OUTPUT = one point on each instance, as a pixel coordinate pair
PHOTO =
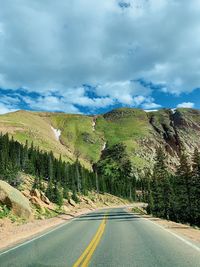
(172, 233)
(38, 237)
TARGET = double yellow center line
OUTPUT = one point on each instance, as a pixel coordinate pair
(86, 256)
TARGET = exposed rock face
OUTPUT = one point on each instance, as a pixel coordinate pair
(175, 130)
(72, 202)
(38, 203)
(15, 200)
(35, 193)
(45, 198)
(39, 199)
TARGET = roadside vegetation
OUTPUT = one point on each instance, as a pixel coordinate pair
(115, 172)
(5, 212)
(172, 196)
(60, 180)
(175, 196)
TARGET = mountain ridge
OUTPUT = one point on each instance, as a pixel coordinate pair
(85, 136)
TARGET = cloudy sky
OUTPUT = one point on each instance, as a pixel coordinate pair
(89, 56)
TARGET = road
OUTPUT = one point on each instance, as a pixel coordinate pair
(110, 237)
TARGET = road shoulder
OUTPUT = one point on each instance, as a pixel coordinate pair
(183, 230)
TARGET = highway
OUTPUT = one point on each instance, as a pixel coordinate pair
(111, 237)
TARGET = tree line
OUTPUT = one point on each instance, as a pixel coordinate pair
(116, 173)
(113, 173)
(174, 196)
(53, 176)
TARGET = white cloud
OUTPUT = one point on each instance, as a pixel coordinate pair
(138, 100)
(59, 45)
(151, 106)
(6, 109)
(68, 101)
(186, 105)
(51, 103)
(125, 92)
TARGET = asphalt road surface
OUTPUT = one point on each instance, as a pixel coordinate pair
(110, 237)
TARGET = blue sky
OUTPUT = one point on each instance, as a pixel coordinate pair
(89, 56)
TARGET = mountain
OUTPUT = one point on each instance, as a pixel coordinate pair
(73, 135)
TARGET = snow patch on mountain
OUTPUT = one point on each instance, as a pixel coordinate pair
(103, 147)
(93, 125)
(57, 133)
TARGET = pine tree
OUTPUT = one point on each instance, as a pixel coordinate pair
(150, 201)
(58, 195)
(50, 190)
(74, 196)
(78, 178)
(195, 196)
(161, 187)
(183, 190)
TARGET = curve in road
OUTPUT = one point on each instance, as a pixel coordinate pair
(111, 237)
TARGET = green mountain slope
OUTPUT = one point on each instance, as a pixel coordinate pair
(86, 136)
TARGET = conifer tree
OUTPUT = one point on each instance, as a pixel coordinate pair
(161, 187)
(77, 174)
(195, 195)
(183, 190)
(58, 195)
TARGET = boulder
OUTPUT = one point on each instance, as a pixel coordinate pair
(88, 201)
(45, 198)
(15, 200)
(72, 202)
(66, 209)
(37, 203)
(35, 193)
(26, 193)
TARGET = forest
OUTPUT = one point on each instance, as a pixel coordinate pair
(56, 177)
(172, 195)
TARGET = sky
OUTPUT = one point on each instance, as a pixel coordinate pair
(90, 56)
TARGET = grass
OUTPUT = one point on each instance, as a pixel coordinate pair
(31, 126)
(77, 134)
(139, 210)
(5, 212)
(126, 125)
(45, 214)
(128, 128)
(122, 128)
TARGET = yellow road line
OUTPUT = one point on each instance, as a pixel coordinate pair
(78, 262)
(87, 254)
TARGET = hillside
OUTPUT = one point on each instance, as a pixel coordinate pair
(86, 136)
